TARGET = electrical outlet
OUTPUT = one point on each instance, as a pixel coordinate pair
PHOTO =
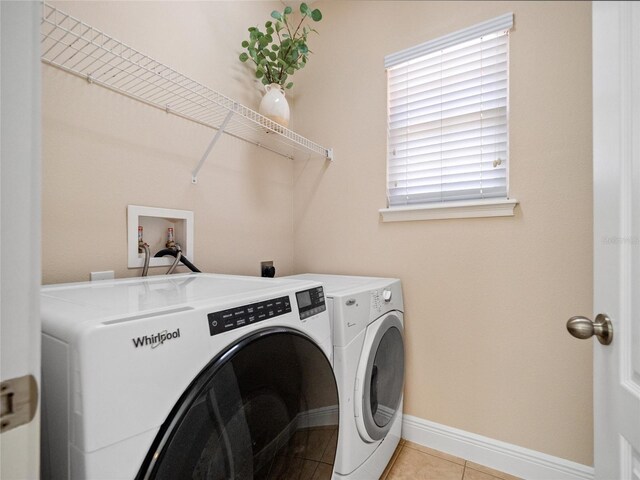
(267, 269)
(106, 275)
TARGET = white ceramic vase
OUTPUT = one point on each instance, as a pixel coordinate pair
(274, 105)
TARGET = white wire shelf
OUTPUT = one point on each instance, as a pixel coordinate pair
(77, 48)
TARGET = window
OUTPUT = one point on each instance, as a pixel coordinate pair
(448, 118)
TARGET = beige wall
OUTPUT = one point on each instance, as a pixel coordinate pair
(102, 151)
(486, 299)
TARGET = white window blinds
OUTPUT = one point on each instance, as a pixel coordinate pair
(447, 117)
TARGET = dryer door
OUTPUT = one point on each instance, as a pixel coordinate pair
(382, 377)
(265, 408)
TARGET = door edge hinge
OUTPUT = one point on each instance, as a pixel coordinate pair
(18, 402)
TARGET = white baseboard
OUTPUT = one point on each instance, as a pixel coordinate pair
(508, 458)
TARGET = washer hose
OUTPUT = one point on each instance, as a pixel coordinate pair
(175, 263)
(174, 253)
(147, 258)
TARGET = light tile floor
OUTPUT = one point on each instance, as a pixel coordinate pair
(415, 462)
(309, 456)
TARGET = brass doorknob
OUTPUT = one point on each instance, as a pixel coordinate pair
(582, 327)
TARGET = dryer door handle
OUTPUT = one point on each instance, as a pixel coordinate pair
(374, 390)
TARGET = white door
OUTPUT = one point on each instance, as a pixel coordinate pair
(20, 239)
(616, 150)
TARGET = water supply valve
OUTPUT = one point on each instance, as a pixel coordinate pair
(171, 243)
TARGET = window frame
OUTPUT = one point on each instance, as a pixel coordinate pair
(443, 209)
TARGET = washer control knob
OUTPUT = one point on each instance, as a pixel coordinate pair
(386, 295)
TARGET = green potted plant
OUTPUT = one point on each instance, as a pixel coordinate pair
(277, 53)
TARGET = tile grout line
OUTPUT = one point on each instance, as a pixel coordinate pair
(495, 474)
(464, 465)
(324, 450)
(428, 454)
(394, 458)
(314, 470)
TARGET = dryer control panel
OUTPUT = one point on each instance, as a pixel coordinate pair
(310, 302)
(232, 318)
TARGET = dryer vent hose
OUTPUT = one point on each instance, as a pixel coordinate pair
(174, 253)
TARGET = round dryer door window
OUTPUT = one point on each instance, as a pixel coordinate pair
(384, 377)
(265, 408)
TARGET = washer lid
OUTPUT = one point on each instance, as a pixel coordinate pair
(339, 285)
(71, 304)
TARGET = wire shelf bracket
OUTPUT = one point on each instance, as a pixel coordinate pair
(194, 174)
(79, 49)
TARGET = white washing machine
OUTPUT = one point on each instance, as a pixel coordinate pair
(368, 337)
(187, 376)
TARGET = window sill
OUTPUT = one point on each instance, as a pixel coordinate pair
(502, 207)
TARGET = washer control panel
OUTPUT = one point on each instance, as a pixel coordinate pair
(232, 318)
(376, 302)
(310, 302)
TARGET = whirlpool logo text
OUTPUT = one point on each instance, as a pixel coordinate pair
(156, 339)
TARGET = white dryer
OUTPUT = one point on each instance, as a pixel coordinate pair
(187, 376)
(368, 337)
